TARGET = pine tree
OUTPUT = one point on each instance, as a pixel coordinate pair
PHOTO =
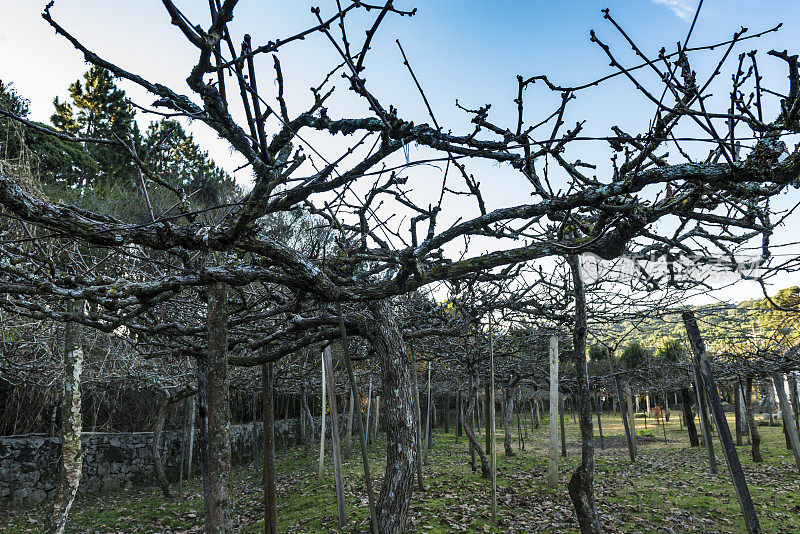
(56, 162)
(100, 109)
(634, 355)
(173, 155)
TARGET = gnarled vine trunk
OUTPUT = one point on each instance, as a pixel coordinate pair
(401, 437)
(155, 446)
(755, 437)
(71, 461)
(581, 484)
(688, 416)
(509, 393)
(469, 429)
(217, 497)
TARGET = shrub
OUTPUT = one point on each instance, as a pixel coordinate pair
(645, 433)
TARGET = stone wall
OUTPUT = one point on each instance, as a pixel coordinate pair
(29, 464)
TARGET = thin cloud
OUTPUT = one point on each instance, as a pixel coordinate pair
(681, 8)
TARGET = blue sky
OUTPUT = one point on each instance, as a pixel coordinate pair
(467, 50)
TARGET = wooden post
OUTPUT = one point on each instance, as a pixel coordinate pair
(429, 413)
(190, 423)
(348, 437)
(599, 422)
(561, 420)
(369, 409)
(769, 403)
(458, 415)
(361, 434)
(322, 426)
(731, 457)
(155, 445)
(552, 450)
(623, 412)
(337, 459)
(631, 418)
(255, 429)
(182, 462)
(486, 419)
(270, 494)
(419, 419)
(377, 417)
(794, 399)
(743, 409)
(787, 414)
(737, 413)
(471, 427)
(704, 422)
(519, 429)
(446, 413)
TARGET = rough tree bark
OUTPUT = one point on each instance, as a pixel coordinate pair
(218, 498)
(493, 450)
(202, 431)
(270, 493)
(401, 438)
(581, 484)
(377, 417)
(155, 445)
(254, 427)
(71, 461)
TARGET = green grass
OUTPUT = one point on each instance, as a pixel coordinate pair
(669, 487)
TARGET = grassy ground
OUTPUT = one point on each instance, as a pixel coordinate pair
(668, 489)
